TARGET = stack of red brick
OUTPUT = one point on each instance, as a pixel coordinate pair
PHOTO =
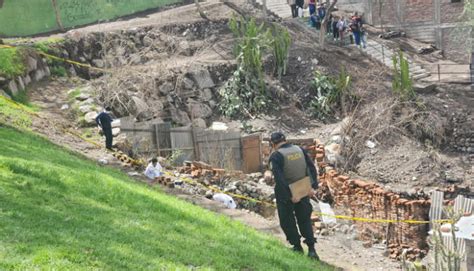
(199, 169)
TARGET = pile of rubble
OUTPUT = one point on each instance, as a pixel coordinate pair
(254, 186)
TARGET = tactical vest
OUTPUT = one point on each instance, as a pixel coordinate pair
(294, 167)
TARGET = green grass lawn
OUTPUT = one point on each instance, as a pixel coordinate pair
(59, 211)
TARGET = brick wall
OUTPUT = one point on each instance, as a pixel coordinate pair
(364, 199)
(450, 12)
(389, 14)
(416, 11)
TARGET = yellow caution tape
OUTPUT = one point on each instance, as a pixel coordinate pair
(137, 162)
(60, 59)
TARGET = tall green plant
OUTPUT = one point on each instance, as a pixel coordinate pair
(245, 90)
(281, 47)
(330, 92)
(402, 84)
(253, 40)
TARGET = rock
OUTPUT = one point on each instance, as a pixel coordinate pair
(209, 194)
(3, 93)
(27, 79)
(99, 63)
(142, 110)
(199, 123)
(203, 78)
(424, 88)
(133, 174)
(166, 88)
(187, 83)
(85, 108)
(89, 118)
(103, 161)
(3, 80)
(315, 61)
(324, 232)
(115, 132)
(333, 153)
(319, 225)
(116, 123)
(89, 101)
(31, 64)
(148, 41)
(13, 88)
(185, 48)
(198, 110)
(21, 84)
(47, 71)
(65, 107)
(370, 144)
(205, 95)
(83, 96)
(178, 116)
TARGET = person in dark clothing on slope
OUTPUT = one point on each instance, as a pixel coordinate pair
(104, 120)
(289, 163)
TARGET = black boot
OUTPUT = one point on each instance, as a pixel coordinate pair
(312, 253)
(298, 248)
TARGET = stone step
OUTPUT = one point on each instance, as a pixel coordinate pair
(420, 76)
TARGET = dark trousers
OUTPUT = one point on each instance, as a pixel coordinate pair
(294, 11)
(356, 37)
(287, 211)
(108, 137)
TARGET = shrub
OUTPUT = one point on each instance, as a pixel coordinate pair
(11, 62)
(330, 93)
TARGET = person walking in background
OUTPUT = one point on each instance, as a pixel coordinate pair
(355, 26)
(341, 27)
(299, 5)
(321, 11)
(312, 7)
(292, 166)
(104, 121)
(335, 30)
(294, 11)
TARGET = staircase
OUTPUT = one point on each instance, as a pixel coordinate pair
(384, 55)
(375, 49)
(279, 8)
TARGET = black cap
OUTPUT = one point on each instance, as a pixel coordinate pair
(277, 137)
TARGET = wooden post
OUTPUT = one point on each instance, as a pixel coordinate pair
(439, 74)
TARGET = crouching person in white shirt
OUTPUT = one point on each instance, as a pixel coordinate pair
(153, 170)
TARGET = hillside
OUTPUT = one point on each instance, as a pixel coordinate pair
(61, 211)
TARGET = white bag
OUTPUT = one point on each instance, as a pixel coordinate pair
(300, 12)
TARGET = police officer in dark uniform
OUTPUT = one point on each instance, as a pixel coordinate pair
(290, 163)
(104, 120)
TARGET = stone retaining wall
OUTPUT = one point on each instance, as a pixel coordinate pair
(36, 68)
